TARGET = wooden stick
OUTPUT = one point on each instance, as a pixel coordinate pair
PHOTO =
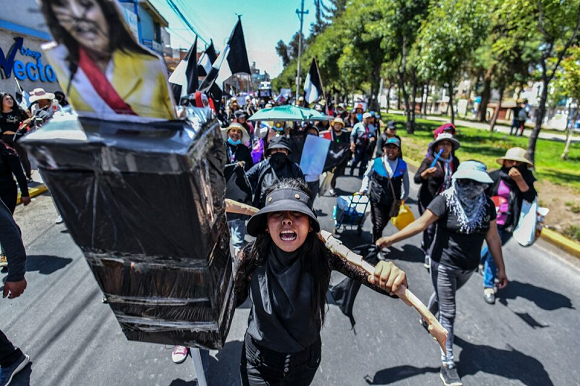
(336, 247)
(237, 207)
(435, 328)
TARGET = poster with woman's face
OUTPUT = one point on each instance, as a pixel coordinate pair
(102, 68)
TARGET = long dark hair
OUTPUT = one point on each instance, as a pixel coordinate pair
(15, 106)
(313, 255)
(119, 37)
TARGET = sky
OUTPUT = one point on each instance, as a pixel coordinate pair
(264, 23)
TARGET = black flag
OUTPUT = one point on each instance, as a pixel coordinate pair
(234, 54)
(184, 80)
(313, 84)
(206, 60)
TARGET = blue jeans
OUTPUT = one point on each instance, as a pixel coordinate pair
(490, 269)
(238, 233)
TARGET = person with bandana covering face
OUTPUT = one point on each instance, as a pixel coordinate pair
(512, 184)
(275, 167)
(465, 217)
(434, 176)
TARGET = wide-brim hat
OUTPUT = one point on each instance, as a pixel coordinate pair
(282, 200)
(515, 154)
(39, 94)
(445, 137)
(472, 170)
(245, 135)
(278, 142)
(337, 120)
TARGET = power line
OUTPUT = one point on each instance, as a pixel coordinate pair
(178, 12)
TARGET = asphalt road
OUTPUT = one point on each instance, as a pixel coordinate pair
(529, 337)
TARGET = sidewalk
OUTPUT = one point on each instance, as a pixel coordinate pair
(501, 128)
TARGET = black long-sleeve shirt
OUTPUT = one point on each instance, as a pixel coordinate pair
(12, 245)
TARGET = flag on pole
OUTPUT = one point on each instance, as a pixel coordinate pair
(22, 97)
(313, 84)
(184, 80)
(206, 60)
(234, 55)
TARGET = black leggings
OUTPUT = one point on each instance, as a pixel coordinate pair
(263, 367)
(9, 195)
(380, 218)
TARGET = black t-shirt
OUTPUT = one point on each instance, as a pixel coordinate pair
(10, 121)
(453, 247)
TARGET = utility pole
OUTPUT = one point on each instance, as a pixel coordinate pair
(300, 14)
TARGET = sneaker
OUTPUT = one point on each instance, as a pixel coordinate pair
(331, 192)
(480, 269)
(448, 375)
(179, 354)
(3, 261)
(59, 220)
(427, 263)
(6, 374)
(489, 295)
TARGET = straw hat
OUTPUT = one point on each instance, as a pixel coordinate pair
(515, 154)
(245, 135)
(337, 120)
(39, 94)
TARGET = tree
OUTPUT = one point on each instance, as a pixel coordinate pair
(282, 51)
(567, 87)
(447, 40)
(555, 24)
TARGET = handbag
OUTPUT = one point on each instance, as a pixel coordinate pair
(396, 204)
(404, 218)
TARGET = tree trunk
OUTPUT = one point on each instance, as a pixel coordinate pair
(531, 153)
(451, 102)
(497, 110)
(485, 95)
(406, 99)
(426, 99)
(388, 99)
(414, 93)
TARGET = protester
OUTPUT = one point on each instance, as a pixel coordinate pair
(465, 216)
(277, 166)
(386, 181)
(434, 176)
(12, 359)
(241, 117)
(356, 115)
(522, 117)
(341, 112)
(98, 58)
(12, 117)
(390, 132)
(42, 106)
(445, 128)
(61, 98)
(286, 274)
(361, 138)
(512, 184)
(339, 140)
(300, 102)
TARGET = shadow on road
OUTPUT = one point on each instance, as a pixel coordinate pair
(46, 264)
(407, 252)
(544, 298)
(224, 369)
(181, 382)
(511, 363)
(398, 373)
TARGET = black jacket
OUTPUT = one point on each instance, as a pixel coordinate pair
(12, 245)
(262, 176)
(239, 153)
(431, 186)
(516, 196)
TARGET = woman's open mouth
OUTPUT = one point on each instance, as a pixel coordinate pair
(288, 236)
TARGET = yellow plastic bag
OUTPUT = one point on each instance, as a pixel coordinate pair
(404, 218)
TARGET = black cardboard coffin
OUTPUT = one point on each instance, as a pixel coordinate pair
(145, 203)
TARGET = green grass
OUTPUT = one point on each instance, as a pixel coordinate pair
(486, 147)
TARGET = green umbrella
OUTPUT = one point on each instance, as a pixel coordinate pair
(288, 113)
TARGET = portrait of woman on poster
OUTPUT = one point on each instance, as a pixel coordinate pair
(105, 73)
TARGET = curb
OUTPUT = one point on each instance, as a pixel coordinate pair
(33, 192)
(562, 242)
(558, 240)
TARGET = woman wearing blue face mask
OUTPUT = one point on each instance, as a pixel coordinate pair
(465, 217)
(236, 138)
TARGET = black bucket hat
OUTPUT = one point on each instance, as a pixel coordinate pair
(282, 200)
(279, 142)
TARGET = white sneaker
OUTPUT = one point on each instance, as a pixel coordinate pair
(59, 220)
(427, 263)
(179, 354)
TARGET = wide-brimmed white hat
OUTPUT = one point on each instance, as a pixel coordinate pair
(245, 135)
(445, 137)
(515, 154)
(39, 94)
(472, 170)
